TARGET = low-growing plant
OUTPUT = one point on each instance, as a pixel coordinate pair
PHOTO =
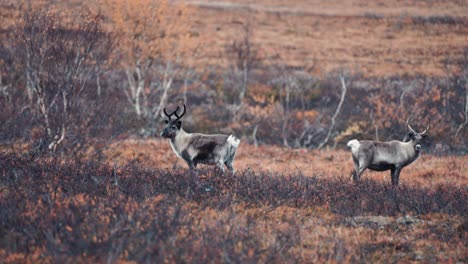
(62, 210)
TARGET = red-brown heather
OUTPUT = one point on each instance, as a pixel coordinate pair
(60, 210)
(85, 177)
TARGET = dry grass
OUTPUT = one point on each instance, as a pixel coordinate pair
(370, 37)
(373, 38)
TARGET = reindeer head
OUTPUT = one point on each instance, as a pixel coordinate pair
(172, 126)
(415, 137)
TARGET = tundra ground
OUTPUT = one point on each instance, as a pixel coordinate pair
(280, 206)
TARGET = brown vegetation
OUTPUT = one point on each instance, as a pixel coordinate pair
(374, 38)
(60, 210)
(84, 178)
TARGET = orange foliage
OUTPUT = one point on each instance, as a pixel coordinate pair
(389, 108)
(309, 115)
(148, 29)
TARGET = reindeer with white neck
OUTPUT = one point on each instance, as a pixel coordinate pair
(197, 148)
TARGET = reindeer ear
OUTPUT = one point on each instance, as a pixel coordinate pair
(179, 124)
(412, 135)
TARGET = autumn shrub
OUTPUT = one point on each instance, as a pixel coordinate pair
(58, 209)
(128, 73)
(66, 210)
(379, 111)
(59, 53)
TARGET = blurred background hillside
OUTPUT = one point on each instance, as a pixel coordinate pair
(308, 74)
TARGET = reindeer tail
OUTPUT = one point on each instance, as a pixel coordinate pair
(233, 141)
(354, 145)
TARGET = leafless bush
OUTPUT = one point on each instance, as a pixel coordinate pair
(243, 56)
(59, 57)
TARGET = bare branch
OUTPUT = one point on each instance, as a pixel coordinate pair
(343, 94)
(462, 125)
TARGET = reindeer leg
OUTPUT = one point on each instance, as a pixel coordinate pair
(362, 167)
(193, 170)
(392, 174)
(395, 172)
(229, 166)
(228, 163)
(192, 166)
(356, 168)
(220, 165)
(395, 175)
(360, 171)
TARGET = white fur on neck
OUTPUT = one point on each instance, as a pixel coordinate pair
(180, 140)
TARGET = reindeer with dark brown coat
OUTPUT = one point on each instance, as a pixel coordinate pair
(197, 148)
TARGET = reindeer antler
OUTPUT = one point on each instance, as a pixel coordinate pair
(412, 130)
(407, 123)
(183, 113)
(169, 116)
(427, 128)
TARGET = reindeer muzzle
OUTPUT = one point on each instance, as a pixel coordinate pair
(418, 147)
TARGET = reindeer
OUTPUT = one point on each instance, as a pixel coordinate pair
(382, 156)
(197, 148)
